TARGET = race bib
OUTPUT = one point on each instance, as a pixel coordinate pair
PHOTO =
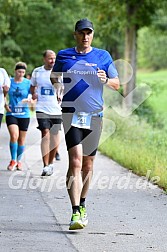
(46, 91)
(18, 110)
(81, 120)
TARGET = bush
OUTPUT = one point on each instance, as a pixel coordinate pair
(152, 49)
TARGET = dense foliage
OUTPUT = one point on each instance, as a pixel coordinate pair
(139, 141)
(27, 28)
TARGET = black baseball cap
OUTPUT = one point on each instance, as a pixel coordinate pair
(83, 24)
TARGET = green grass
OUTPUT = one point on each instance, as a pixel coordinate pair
(151, 76)
(158, 83)
(136, 144)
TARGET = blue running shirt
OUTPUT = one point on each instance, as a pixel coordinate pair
(82, 88)
(18, 92)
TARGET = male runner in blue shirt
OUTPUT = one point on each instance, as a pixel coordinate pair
(85, 71)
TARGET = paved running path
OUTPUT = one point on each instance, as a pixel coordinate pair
(126, 212)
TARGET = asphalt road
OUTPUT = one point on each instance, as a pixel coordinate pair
(126, 212)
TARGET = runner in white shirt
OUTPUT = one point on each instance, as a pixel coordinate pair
(48, 111)
(4, 87)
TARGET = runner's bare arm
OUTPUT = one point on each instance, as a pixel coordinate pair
(110, 82)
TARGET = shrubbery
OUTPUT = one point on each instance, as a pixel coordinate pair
(139, 141)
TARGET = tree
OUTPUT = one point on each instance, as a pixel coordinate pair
(127, 17)
(152, 46)
(9, 49)
(41, 24)
(138, 13)
(36, 26)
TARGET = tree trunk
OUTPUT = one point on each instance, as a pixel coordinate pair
(130, 57)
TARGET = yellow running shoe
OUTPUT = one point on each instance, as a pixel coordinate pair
(84, 216)
(76, 222)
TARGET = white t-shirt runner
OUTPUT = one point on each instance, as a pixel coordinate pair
(47, 98)
(4, 81)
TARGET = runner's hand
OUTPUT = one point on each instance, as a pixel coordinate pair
(101, 74)
(5, 88)
(7, 108)
(59, 91)
(35, 96)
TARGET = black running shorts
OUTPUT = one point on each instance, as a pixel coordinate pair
(89, 138)
(22, 123)
(51, 122)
